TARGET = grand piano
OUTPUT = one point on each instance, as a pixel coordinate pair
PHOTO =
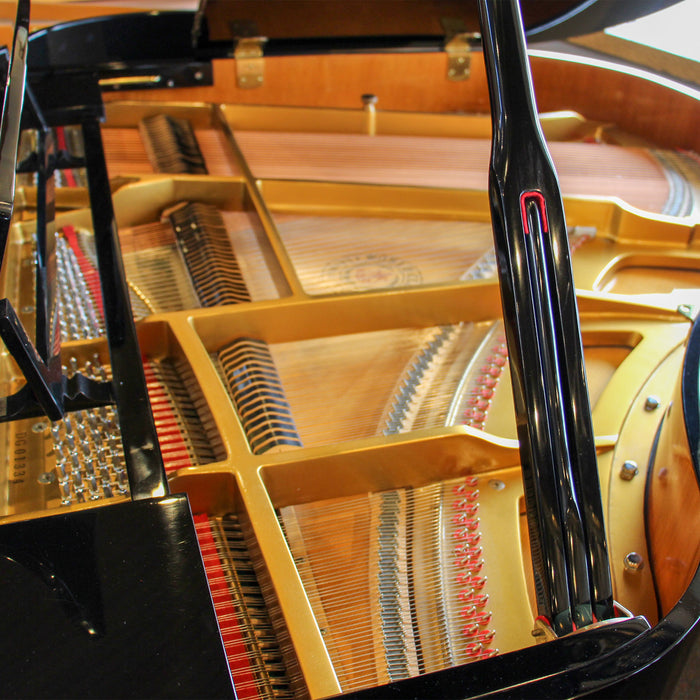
(333, 364)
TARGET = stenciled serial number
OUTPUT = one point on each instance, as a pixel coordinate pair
(20, 455)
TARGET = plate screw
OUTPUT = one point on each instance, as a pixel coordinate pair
(652, 403)
(497, 484)
(629, 470)
(46, 478)
(634, 561)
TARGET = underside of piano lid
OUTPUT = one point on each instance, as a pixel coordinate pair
(318, 330)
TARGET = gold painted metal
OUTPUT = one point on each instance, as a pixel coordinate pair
(561, 125)
(129, 113)
(558, 126)
(626, 532)
(633, 340)
(131, 81)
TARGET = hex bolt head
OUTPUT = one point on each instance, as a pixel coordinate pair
(634, 561)
(629, 470)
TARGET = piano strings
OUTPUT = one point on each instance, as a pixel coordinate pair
(187, 261)
(419, 551)
(654, 180)
(82, 453)
(390, 381)
(254, 653)
(210, 259)
(184, 424)
(257, 392)
(451, 375)
(336, 254)
(171, 145)
(159, 143)
(395, 579)
(79, 295)
(149, 149)
(84, 461)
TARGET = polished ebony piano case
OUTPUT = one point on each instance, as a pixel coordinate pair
(248, 261)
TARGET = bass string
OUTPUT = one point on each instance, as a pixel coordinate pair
(338, 387)
(184, 424)
(157, 266)
(126, 152)
(254, 656)
(255, 388)
(261, 606)
(210, 258)
(253, 251)
(171, 145)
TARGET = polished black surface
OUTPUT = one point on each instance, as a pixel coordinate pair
(557, 447)
(175, 47)
(556, 669)
(13, 100)
(119, 603)
(39, 361)
(108, 602)
(144, 463)
(691, 395)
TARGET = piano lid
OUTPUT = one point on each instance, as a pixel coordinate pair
(178, 46)
(413, 24)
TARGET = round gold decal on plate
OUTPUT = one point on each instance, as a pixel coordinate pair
(361, 272)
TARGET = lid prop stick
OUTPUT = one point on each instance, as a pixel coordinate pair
(562, 490)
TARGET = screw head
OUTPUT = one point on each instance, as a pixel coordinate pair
(652, 403)
(629, 470)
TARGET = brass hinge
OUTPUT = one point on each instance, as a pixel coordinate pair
(457, 47)
(250, 64)
(458, 53)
